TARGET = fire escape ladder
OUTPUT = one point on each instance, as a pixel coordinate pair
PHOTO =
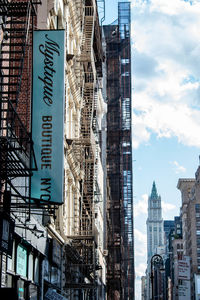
(15, 142)
(84, 243)
(13, 47)
(88, 33)
(89, 144)
(94, 119)
(88, 106)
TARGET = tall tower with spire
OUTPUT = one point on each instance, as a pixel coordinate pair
(154, 223)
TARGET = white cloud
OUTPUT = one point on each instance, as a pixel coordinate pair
(166, 70)
(166, 89)
(141, 206)
(178, 168)
(167, 206)
(140, 251)
(140, 270)
(140, 236)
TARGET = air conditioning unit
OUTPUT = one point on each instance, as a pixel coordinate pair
(105, 252)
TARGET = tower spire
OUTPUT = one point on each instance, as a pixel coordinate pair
(154, 193)
(154, 222)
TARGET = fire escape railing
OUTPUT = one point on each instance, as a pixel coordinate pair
(83, 240)
(16, 145)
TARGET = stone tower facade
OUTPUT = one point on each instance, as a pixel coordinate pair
(154, 223)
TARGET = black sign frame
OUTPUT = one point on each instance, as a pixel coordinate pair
(7, 226)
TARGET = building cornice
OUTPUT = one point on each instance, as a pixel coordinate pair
(184, 180)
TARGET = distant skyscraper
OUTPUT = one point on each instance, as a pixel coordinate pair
(154, 223)
(168, 226)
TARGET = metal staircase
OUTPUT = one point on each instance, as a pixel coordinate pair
(16, 146)
(83, 240)
(88, 33)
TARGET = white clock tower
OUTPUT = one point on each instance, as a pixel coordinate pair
(154, 223)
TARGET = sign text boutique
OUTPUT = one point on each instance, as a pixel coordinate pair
(48, 113)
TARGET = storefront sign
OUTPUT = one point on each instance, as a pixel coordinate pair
(184, 290)
(184, 268)
(52, 295)
(3, 270)
(48, 115)
(21, 260)
(6, 234)
(56, 252)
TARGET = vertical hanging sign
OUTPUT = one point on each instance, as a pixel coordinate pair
(48, 115)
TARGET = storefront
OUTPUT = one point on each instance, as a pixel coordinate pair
(52, 267)
(23, 271)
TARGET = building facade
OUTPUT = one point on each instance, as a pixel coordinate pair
(154, 223)
(173, 248)
(120, 260)
(154, 234)
(55, 233)
(168, 226)
(190, 210)
(143, 288)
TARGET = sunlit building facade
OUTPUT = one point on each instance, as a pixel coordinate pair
(58, 245)
(190, 212)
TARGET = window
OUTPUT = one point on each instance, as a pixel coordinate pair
(21, 265)
(9, 281)
(197, 206)
(36, 270)
(125, 61)
(11, 261)
(180, 255)
(125, 74)
(30, 266)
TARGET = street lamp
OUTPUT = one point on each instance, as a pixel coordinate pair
(157, 264)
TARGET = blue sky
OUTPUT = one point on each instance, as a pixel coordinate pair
(166, 104)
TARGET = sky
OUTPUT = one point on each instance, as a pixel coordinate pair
(166, 106)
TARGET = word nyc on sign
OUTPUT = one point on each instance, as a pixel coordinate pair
(48, 115)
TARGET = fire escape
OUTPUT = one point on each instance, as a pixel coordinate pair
(83, 240)
(16, 145)
(120, 268)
